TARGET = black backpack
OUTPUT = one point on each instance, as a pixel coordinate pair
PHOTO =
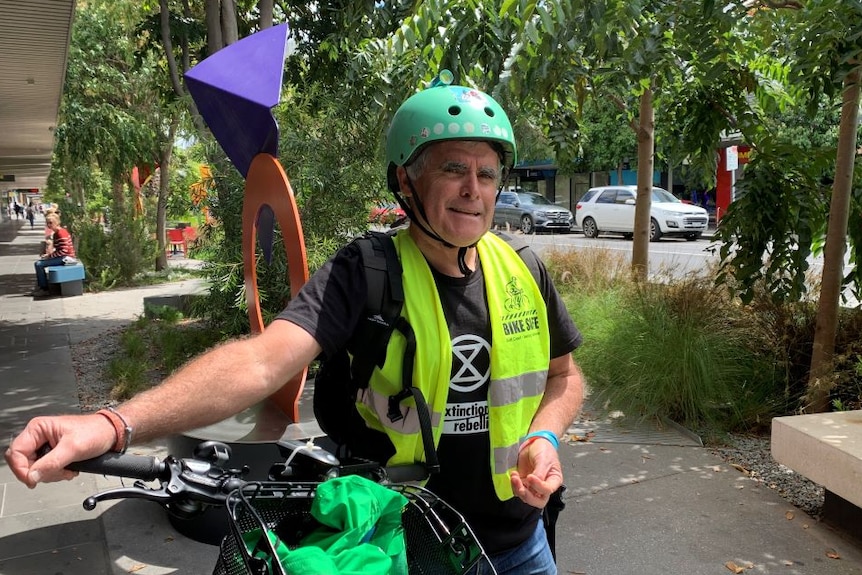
(338, 381)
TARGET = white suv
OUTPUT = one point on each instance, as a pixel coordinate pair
(612, 209)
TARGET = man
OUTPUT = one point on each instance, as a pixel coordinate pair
(493, 344)
(61, 247)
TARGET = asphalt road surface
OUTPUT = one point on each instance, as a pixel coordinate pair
(669, 257)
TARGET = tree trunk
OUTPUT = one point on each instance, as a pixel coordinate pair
(213, 18)
(176, 82)
(80, 196)
(646, 141)
(669, 176)
(165, 155)
(165, 21)
(187, 14)
(265, 7)
(229, 30)
(118, 196)
(819, 383)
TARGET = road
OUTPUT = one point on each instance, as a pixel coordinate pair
(669, 256)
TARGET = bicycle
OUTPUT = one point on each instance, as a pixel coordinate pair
(438, 539)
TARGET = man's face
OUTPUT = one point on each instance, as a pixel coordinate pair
(458, 189)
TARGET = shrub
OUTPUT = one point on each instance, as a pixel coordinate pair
(680, 350)
(156, 344)
(112, 256)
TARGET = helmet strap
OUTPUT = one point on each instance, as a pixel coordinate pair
(462, 263)
(421, 209)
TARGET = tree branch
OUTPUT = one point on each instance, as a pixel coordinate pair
(792, 4)
(621, 106)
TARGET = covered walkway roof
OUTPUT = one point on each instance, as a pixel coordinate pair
(34, 47)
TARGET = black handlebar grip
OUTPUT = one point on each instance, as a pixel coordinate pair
(405, 473)
(141, 467)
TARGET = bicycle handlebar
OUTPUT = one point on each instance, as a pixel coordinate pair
(435, 534)
(188, 485)
(139, 467)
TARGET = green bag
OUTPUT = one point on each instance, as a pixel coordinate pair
(360, 532)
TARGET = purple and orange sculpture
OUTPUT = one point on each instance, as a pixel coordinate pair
(235, 90)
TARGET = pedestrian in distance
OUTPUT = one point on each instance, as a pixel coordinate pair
(61, 248)
(31, 214)
(449, 150)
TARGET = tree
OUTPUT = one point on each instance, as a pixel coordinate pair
(105, 128)
(817, 60)
(678, 73)
(829, 48)
(836, 239)
(187, 39)
(104, 114)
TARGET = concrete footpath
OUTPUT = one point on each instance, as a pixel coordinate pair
(641, 500)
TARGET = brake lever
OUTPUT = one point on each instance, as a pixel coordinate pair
(186, 485)
(139, 491)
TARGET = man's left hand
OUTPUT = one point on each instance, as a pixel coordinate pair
(539, 473)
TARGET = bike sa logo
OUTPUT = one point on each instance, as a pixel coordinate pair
(522, 317)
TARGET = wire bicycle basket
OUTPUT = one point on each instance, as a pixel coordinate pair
(438, 539)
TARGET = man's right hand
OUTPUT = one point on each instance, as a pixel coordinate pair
(70, 438)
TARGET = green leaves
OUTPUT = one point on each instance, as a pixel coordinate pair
(769, 230)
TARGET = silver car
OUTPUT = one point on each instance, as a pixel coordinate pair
(531, 212)
(612, 209)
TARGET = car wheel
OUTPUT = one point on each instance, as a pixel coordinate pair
(527, 224)
(692, 237)
(591, 230)
(654, 231)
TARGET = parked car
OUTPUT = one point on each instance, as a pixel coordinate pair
(531, 212)
(612, 209)
(386, 214)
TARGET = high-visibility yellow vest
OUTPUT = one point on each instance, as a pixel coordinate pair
(520, 355)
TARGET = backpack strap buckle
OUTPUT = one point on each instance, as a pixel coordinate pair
(394, 411)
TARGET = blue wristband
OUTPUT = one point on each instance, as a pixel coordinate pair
(549, 435)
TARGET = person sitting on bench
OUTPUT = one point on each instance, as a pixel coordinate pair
(62, 247)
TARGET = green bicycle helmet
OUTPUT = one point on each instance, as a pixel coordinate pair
(445, 112)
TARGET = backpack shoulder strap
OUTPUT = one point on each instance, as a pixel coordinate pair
(518, 244)
(383, 315)
(382, 307)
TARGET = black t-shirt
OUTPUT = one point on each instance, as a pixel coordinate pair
(329, 307)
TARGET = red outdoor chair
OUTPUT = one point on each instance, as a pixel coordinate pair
(177, 239)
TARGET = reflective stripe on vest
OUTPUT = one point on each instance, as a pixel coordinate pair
(520, 354)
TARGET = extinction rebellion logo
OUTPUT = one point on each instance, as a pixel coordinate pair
(471, 369)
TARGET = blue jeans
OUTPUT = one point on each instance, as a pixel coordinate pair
(41, 274)
(532, 557)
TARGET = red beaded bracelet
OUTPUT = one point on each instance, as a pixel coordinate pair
(123, 429)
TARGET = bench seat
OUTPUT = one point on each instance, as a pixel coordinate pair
(69, 278)
(824, 447)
